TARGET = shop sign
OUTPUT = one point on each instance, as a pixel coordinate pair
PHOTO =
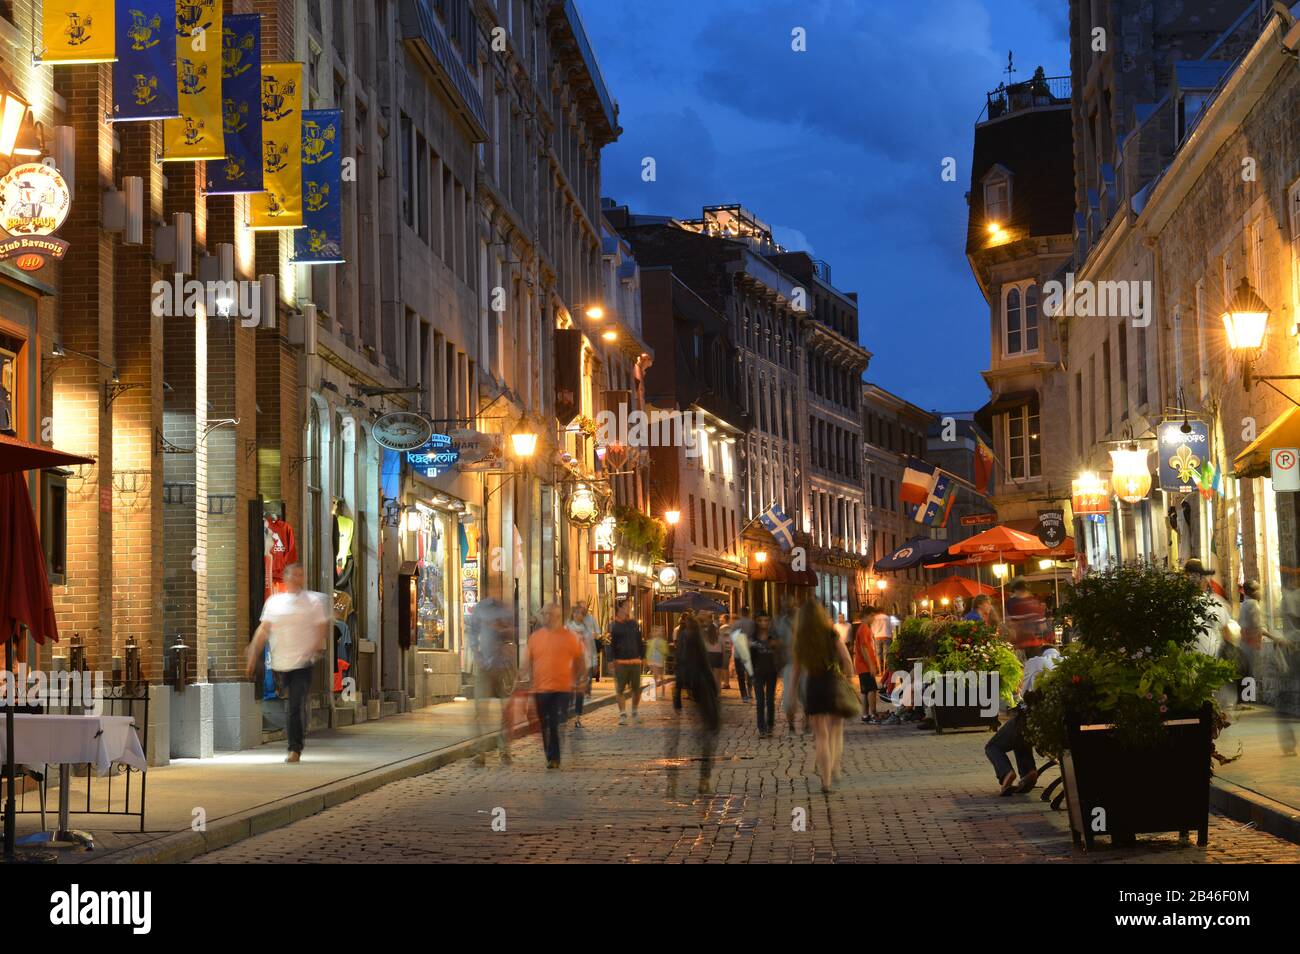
(1089, 495)
(584, 509)
(401, 431)
(480, 452)
(34, 203)
(602, 561)
(436, 456)
(666, 577)
(1182, 454)
(979, 519)
(1051, 527)
(622, 585)
(1286, 468)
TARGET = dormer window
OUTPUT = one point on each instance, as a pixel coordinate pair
(997, 197)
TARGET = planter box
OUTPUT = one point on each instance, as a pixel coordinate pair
(1140, 791)
(960, 715)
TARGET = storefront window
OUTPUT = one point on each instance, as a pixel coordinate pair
(435, 579)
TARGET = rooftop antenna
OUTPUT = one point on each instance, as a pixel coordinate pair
(1010, 68)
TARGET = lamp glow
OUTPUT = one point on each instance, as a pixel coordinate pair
(524, 443)
(760, 556)
(1130, 479)
(673, 517)
(1000, 570)
(1246, 321)
(595, 312)
(1045, 564)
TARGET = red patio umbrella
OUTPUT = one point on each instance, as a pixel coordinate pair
(956, 587)
(24, 586)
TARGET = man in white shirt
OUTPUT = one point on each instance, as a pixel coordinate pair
(297, 623)
(1217, 631)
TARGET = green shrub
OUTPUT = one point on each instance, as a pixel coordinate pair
(972, 646)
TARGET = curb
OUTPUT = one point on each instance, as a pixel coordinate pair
(179, 847)
(1249, 807)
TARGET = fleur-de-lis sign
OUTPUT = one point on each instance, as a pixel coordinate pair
(1186, 463)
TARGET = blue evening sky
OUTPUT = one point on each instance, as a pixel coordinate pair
(838, 148)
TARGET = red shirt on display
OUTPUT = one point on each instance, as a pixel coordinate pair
(283, 548)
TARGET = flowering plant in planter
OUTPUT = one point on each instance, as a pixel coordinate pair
(972, 646)
(917, 638)
(1134, 665)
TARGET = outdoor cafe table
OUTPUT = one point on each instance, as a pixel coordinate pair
(99, 741)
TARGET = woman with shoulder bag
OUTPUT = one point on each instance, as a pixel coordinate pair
(821, 657)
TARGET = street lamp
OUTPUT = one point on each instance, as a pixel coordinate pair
(1130, 479)
(594, 312)
(1000, 570)
(882, 585)
(13, 112)
(1246, 323)
(524, 443)
(673, 517)
(610, 335)
(760, 556)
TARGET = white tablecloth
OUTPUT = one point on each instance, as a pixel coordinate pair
(99, 741)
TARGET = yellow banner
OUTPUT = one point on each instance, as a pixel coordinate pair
(79, 31)
(280, 205)
(199, 133)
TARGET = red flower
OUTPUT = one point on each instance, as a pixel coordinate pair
(1076, 679)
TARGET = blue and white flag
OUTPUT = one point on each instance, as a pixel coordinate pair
(933, 511)
(320, 240)
(144, 77)
(240, 172)
(779, 525)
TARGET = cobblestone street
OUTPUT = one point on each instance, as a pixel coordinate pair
(630, 794)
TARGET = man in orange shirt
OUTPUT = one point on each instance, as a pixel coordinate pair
(866, 663)
(556, 660)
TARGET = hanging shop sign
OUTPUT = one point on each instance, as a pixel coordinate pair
(665, 575)
(979, 519)
(1089, 495)
(584, 508)
(401, 431)
(622, 584)
(1285, 472)
(1182, 454)
(34, 203)
(1051, 527)
(435, 456)
(480, 452)
(602, 561)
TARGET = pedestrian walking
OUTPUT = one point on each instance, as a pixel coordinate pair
(821, 658)
(713, 647)
(791, 690)
(297, 624)
(577, 622)
(767, 653)
(555, 660)
(724, 630)
(695, 673)
(742, 631)
(495, 657)
(656, 657)
(866, 663)
(582, 612)
(627, 646)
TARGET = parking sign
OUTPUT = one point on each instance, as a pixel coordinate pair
(1286, 468)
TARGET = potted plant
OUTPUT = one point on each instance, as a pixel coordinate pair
(967, 655)
(1130, 709)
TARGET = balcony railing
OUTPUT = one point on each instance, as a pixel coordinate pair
(1032, 93)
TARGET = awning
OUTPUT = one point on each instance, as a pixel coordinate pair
(1011, 400)
(1254, 460)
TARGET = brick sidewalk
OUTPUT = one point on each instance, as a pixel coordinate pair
(624, 796)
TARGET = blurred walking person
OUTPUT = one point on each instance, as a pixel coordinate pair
(713, 646)
(555, 660)
(577, 622)
(297, 624)
(724, 631)
(767, 653)
(742, 631)
(627, 646)
(792, 691)
(695, 674)
(821, 656)
(656, 657)
(866, 662)
(496, 667)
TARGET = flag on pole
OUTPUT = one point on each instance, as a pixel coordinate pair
(197, 133)
(1209, 479)
(144, 76)
(934, 510)
(241, 108)
(918, 481)
(779, 525)
(279, 205)
(78, 31)
(983, 466)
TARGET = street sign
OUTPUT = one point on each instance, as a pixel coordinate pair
(1286, 468)
(979, 519)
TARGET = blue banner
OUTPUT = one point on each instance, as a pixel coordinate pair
(320, 241)
(144, 76)
(241, 108)
(1182, 454)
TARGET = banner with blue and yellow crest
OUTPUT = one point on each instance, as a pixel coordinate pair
(279, 204)
(78, 31)
(241, 112)
(320, 240)
(144, 76)
(197, 134)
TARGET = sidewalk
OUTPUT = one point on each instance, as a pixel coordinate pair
(252, 791)
(1263, 785)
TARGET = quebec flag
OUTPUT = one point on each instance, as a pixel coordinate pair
(933, 512)
(779, 525)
